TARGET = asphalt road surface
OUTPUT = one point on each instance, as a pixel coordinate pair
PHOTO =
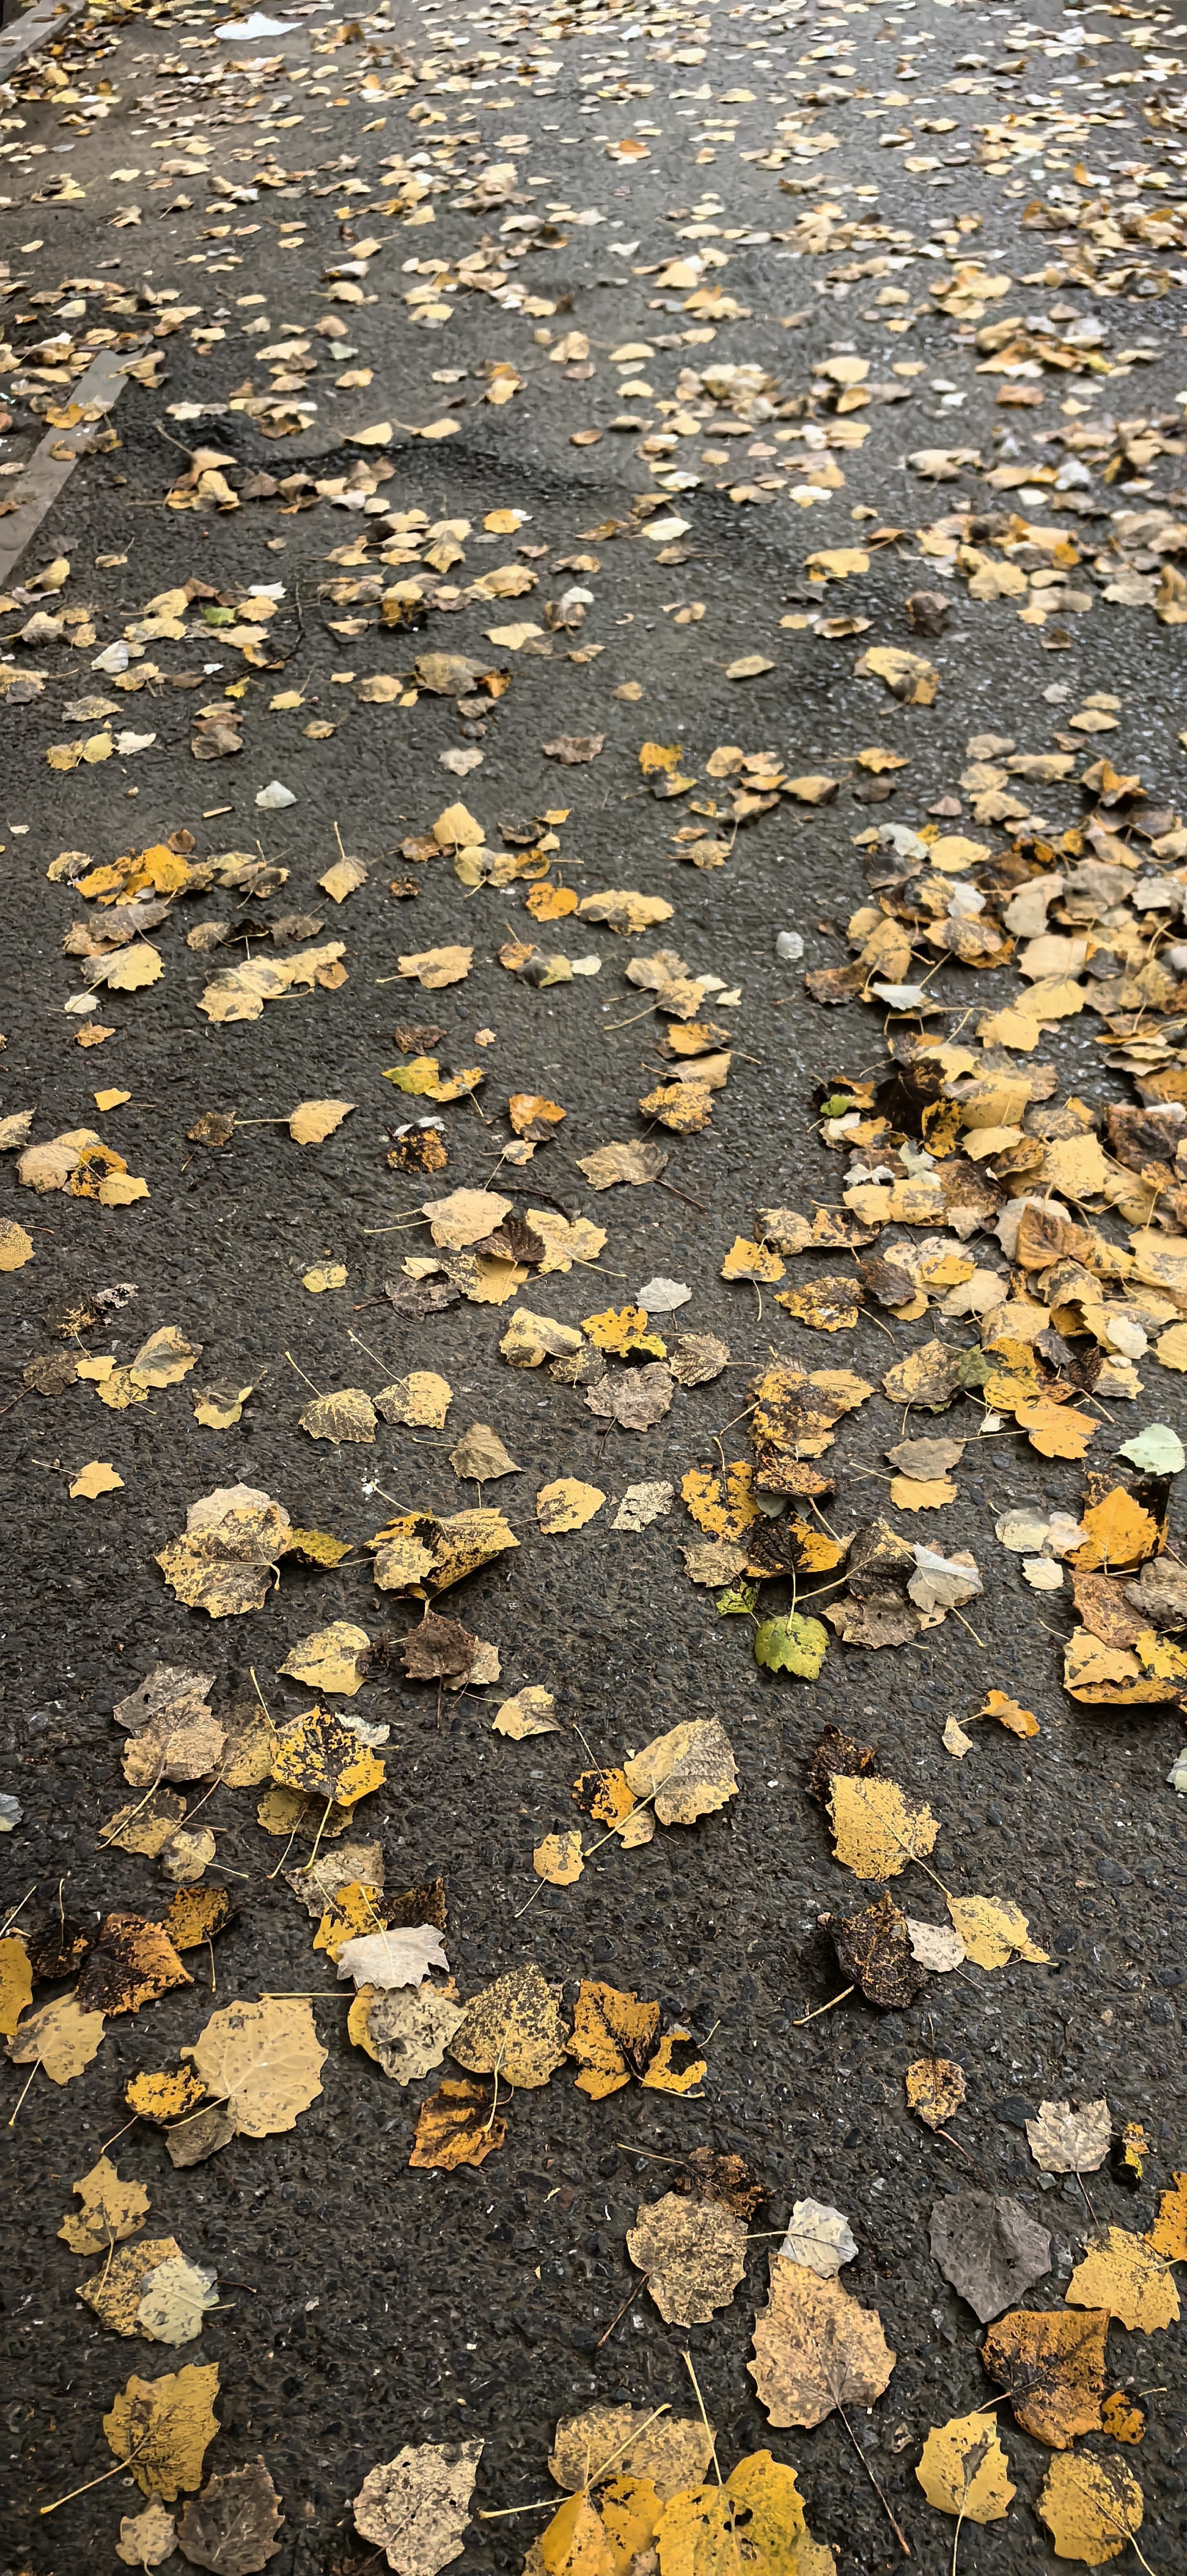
(776, 190)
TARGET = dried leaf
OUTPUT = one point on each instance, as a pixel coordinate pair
(815, 2348)
(61, 2039)
(321, 1758)
(146, 2539)
(686, 1773)
(347, 1415)
(111, 2210)
(328, 1659)
(874, 1953)
(820, 2237)
(989, 2248)
(263, 2061)
(480, 1454)
(416, 2507)
(529, 1713)
(1067, 2141)
(567, 1505)
(133, 1961)
(406, 2033)
(1168, 2235)
(558, 1859)
(401, 1956)
(875, 1833)
(174, 2297)
(759, 2510)
(994, 1931)
(671, 2451)
(694, 2255)
(233, 2525)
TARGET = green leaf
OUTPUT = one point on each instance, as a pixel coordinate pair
(737, 1596)
(837, 1105)
(1157, 1450)
(791, 1645)
(219, 616)
(975, 1368)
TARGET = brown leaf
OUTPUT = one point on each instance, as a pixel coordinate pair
(935, 2089)
(694, 2255)
(436, 1648)
(874, 1950)
(232, 2526)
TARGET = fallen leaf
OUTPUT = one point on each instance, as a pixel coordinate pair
(163, 2428)
(329, 1659)
(111, 2210)
(528, 1713)
(232, 2526)
(173, 2297)
(416, 2507)
(407, 2032)
(322, 1758)
(480, 1454)
(794, 1644)
(1092, 2508)
(964, 2470)
(1168, 2235)
(990, 2249)
(874, 1952)
(455, 2126)
(935, 2087)
(91, 1481)
(614, 2037)
(875, 1833)
(16, 1984)
(348, 1415)
(1067, 2141)
(687, 1773)
(994, 1931)
(513, 2025)
(815, 2348)
(146, 2539)
(61, 2039)
(400, 1956)
(263, 2061)
(1052, 2366)
(713, 2529)
(558, 1859)
(567, 1505)
(313, 1120)
(1124, 2274)
(671, 2451)
(132, 1962)
(694, 2255)
(820, 2237)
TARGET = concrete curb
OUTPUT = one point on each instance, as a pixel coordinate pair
(46, 472)
(29, 33)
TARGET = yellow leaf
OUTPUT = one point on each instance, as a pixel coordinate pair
(263, 2060)
(746, 1260)
(935, 2089)
(575, 2542)
(622, 1330)
(964, 2469)
(313, 1120)
(1124, 2274)
(163, 2428)
(1091, 2507)
(16, 1984)
(514, 2025)
(755, 2520)
(60, 2038)
(815, 2348)
(567, 1505)
(994, 1931)
(558, 1859)
(875, 1833)
(111, 2210)
(94, 1480)
(16, 1247)
(1168, 2236)
(1020, 1721)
